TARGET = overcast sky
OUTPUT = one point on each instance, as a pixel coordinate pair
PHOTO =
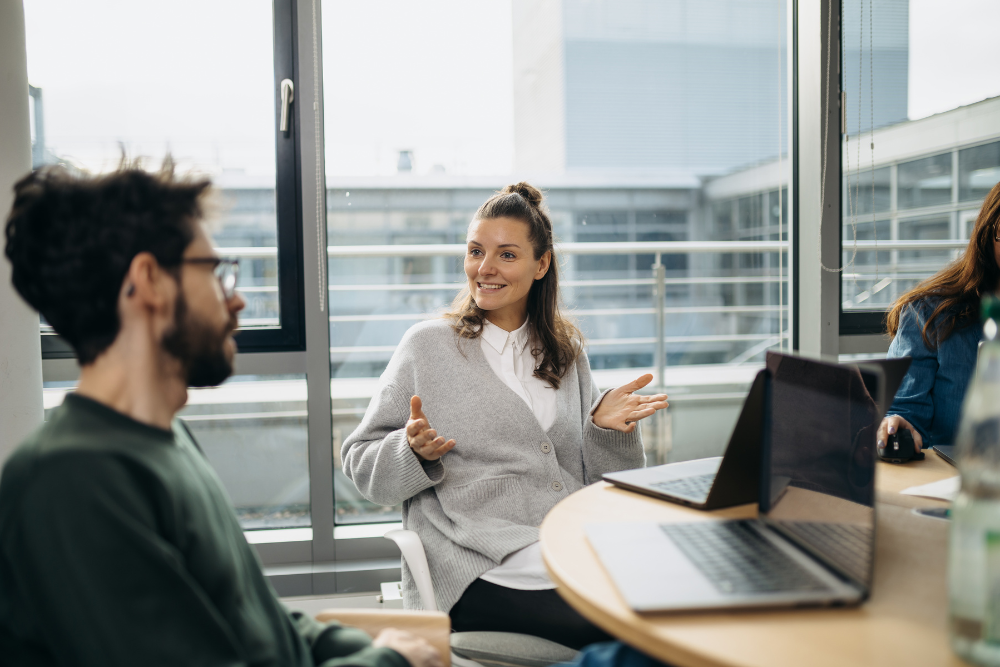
(954, 54)
(195, 77)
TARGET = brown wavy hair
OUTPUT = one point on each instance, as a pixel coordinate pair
(559, 341)
(960, 286)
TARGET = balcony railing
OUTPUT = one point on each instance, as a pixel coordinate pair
(659, 281)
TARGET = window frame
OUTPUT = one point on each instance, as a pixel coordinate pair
(857, 324)
(290, 335)
(335, 560)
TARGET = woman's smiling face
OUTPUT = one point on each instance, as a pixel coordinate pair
(501, 267)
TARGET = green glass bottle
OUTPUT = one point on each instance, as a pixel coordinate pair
(974, 544)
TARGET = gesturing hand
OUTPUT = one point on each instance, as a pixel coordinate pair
(424, 441)
(416, 650)
(621, 409)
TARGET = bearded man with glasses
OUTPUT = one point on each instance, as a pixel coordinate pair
(118, 544)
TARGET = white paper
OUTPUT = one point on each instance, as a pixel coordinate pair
(943, 489)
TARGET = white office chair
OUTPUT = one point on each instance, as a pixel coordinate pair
(477, 649)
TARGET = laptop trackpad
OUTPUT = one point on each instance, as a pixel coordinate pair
(649, 570)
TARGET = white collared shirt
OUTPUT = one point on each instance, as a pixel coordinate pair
(509, 355)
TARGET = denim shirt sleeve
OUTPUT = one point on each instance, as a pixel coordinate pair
(914, 401)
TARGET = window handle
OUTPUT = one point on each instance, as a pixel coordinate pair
(287, 97)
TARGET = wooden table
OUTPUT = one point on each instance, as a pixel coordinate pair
(903, 623)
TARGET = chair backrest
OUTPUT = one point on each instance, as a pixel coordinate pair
(416, 561)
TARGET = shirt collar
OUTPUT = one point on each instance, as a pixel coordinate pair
(498, 338)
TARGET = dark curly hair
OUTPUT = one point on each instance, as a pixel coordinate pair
(560, 341)
(71, 240)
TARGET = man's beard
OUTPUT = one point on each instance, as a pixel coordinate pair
(201, 351)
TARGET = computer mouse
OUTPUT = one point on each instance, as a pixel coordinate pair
(900, 448)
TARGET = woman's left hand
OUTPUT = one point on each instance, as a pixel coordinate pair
(621, 408)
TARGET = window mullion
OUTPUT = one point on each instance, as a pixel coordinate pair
(309, 114)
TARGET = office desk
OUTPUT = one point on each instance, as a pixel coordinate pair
(903, 623)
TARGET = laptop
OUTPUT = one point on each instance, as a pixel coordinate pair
(710, 483)
(731, 479)
(813, 542)
(893, 370)
(947, 452)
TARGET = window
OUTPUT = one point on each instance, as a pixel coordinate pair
(978, 171)
(636, 128)
(651, 134)
(913, 72)
(253, 431)
(924, 183)
(204, 91)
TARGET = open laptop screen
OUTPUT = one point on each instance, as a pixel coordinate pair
(818, 469)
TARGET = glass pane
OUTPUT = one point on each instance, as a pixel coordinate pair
(922, 96)
(146, 80)
(978, 171)
(253, 430)
(932, 228)
(925, 182)
(865, 287)
(639, 129)
(868, 191)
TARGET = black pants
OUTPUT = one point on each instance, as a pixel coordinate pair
(486, 606)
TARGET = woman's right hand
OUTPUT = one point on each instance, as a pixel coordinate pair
(893, 423)
(424, 441)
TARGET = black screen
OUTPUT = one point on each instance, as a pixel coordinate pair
(818, 473)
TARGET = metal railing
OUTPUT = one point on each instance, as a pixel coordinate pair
(589, 248)
(619, 248)
(659, 281)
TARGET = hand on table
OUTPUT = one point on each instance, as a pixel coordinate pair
(621, 408)
(424, 441)
(415, 649)
(890, 425)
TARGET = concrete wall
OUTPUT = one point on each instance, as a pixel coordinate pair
(20, 344)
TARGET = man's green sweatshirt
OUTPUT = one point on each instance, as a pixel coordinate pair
(118, 546)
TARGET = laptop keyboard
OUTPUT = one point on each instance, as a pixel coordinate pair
(696, 487)
(848, 545)
(738, 559)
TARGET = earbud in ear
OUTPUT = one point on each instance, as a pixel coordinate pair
(131, 290)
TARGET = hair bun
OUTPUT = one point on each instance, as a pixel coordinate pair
(526, 190)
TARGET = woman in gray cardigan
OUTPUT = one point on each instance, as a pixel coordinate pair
(504, 380)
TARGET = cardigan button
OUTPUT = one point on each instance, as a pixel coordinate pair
(557, 486)
(546, 448)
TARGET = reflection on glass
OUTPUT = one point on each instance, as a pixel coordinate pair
(932, 228)
(156, 100)
(253, 430)
(822, 461)
(866, 231)
(860, 186)
(925, 182)
(867, 282)
(916, 84)
(978, 171)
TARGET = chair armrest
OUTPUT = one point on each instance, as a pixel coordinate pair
(434, 626)
(415, 558)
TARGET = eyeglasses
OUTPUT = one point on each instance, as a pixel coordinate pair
(225, 270)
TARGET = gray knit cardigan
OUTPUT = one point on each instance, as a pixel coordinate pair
(486, 497)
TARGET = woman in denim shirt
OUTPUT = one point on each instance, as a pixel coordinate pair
(937, 324)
